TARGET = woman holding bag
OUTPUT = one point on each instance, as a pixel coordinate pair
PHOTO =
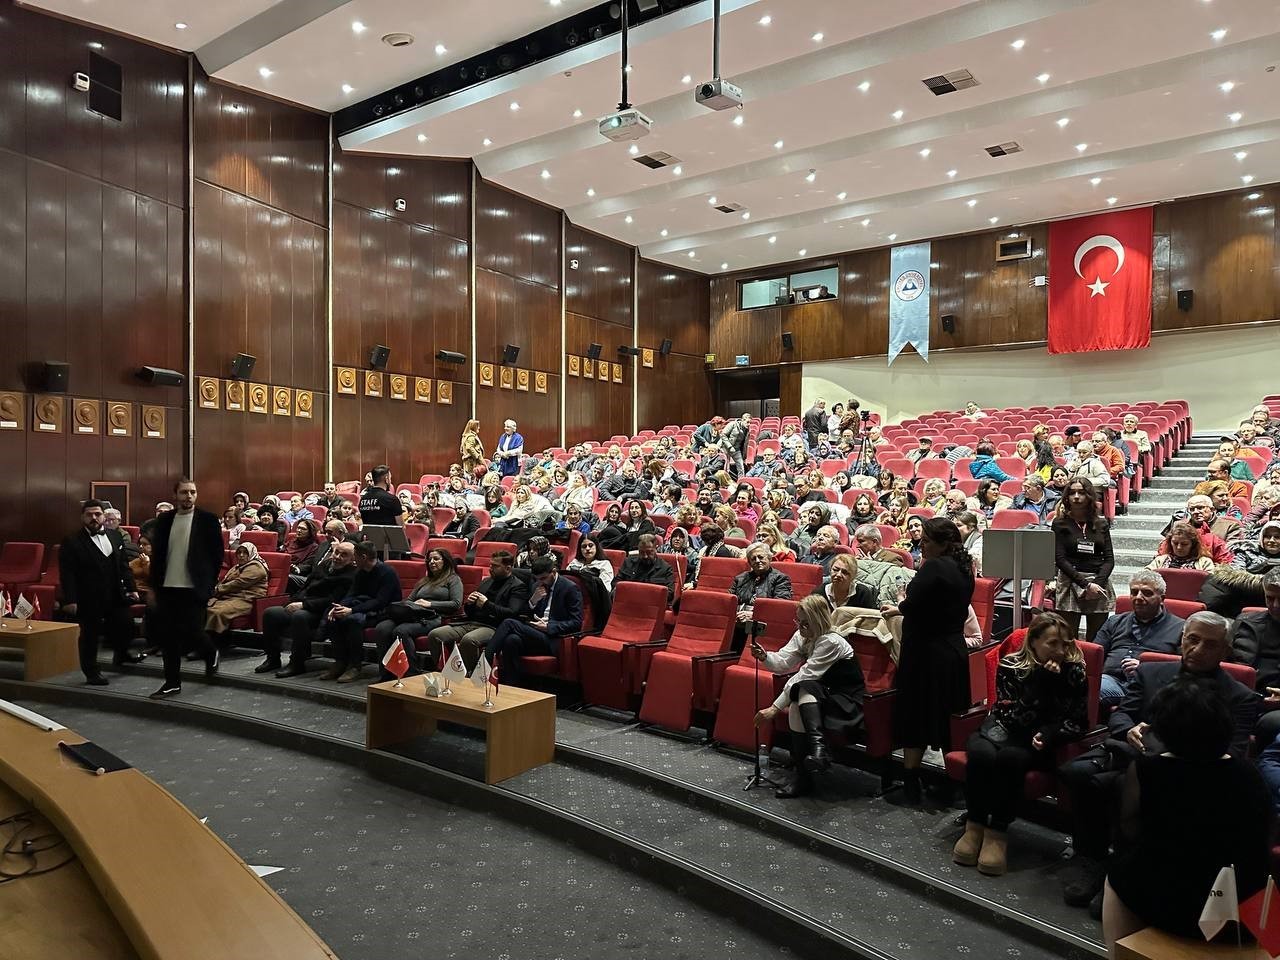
(435, 596)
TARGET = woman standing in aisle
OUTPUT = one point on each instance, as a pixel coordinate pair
(1084, 559)
(471, 449)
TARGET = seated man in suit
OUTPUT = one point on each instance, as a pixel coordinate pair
(556, 610)
(647, 567)
(501, 595)
(374, 588)
(330, 580)
(1256, 641)
(1093, 780)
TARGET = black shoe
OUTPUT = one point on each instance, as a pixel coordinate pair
(1087, 884)
(267, 666)
(911, 787)
(124, 658)
(97, 680)
(802, 783)
(167, 691)
(211, 662)
(816, 757)
(293, 669)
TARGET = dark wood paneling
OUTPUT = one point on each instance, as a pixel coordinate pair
(677, 389)
(437, 193)
(789, 376)
(413, 438)
(258, 453)
(517, 236)
(600, 287)
(527, 315)
(674, 304)
(538, 415)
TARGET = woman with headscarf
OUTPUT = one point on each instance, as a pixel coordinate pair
(233, 595)
(464, 524)
(302, 549)
(269, 519)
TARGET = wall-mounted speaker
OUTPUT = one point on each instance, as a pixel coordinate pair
(510, 354)
(54, 376)
(788, 341)
(1186, 298)
(378, 357)
(627, 351)
(949, 322)
(594, 351)
(242, 366)
(449, 356)
(665, 347)
(161, 377)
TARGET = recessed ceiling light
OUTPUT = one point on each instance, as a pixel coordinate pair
(973, 203)
(1247, 179)
(746, 215)
(629, 218)
(577, 114)
(925, 152)
(897, 114)
(179, 25)
(94, 45)
(1095, 180)
(487, 142)
(1235, 117)
(686, 79)
(1219, 33)
(1241, 154)
(952, 173)
(724, 266)
(773, 239)
(802, 252)
(712, 200)
(1253, 196)
(591, 191)
(422, 138)
(1042, 77)
(1063, 121)
(662, 232)
(629, 66)
(766, 20)
(864, 86)
(555, 3)
(893, 236)
(819, 37)
(634, 150)
(737, 121)
(546, 174)
(866, 222)
(1227, 86)
(1111, 201)
(515, 105)
(841, 195)
(441, 49)
(1018, 44)
(1014, 235)
(692, 254)
(357, 27)
(778, 144)
(265, 72)
(811, 176)
(677, 170)
(993, 219)
(347, 88)
(1081, 147)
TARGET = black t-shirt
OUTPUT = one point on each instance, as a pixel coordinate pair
(379, 507)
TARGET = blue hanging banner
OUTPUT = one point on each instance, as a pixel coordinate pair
(909, 295)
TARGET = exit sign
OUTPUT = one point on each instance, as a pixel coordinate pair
(742, 360)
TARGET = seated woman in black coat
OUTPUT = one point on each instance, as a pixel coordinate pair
(638, 523)
(1040, 704)
(611, 534)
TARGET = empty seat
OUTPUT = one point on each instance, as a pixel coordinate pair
(717, 573)
(805, 577)
(1183, 584)
(606, 663)
(265, 540)
(20, 563)
(699, 643)
(738, 697)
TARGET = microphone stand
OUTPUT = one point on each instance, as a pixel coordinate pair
(758, 777)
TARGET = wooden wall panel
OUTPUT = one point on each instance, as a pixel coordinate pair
(674, 304)
(437, 193)
(601, 285)
(517, 236)
(538, 415)
(677, 389)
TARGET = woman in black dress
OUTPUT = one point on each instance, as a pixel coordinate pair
(933, 669)
(1085, 559)
(1194, 810)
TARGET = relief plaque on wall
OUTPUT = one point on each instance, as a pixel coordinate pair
(588, 367)
(522, 380)
(85, 416)
(347, 381)
(506, 379)
(422, 389)
(153, 420)
(11, 411)
(372, 383)
(539, 382)
(207, 393)
(617, 372)
(602, 370)
(46, 414)
(399, 386)
(282, 401)
(444, 391)
(235, 395)
(303, 401)
(119, 419)
(646, 357)
(486, 374)
(258, 398)
(575, 365)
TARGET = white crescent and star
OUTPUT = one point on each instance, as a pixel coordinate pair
(1099, 287)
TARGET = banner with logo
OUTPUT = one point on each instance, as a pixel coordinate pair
(909, 295)
(1100, 282)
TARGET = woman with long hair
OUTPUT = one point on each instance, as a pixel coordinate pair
(1084, 559)
(436, 595)
(493, 502)
(611, 531)
(933, 666)
(990, 499)
(772, 537)
(590, 559)
(864, 510)
(471, 448)
(1183, 549)
(913, 536)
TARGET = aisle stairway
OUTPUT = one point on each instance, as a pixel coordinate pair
(1136, 535)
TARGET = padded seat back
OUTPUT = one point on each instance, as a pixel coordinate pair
(638, 613)
(277, 573)
(1010, 519)
(984, 603)
(1184, 584)
(456, 547)
(878, 668)
(717, 573)
(1236, 671)
(265, 540)
(704, 624)
(21, 562)
(805, 577)
(1179, 608)
(409, 572)
(487, 548)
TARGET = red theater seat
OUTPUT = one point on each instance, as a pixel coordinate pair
(607, 663)
(805, 577)
(1183, 584)
(265, 540)
(736, 707)
(1179, 608)
(277, 591)
(564, 665)
(488, 548)
(683, 676)
(20, 564)
(717, 573)
(458, 548)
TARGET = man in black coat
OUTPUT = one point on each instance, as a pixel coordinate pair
(554, 611)
(374, 587)
(186, 558)
(97, 589)
(647, 567)
(1093, 779)
(330, 580)
(815, 421)
(500, 596)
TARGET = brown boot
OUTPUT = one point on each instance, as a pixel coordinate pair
(991, 861)
(966, 850)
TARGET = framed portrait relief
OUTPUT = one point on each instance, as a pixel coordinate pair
(588, 367)
(303, 403)
(399, 387)
(522, 380)
(539, 382)
(372, 383)
(12, 411)
(506, 378)
(235, 394)
(282, 401)
(575, 365)
(119, 419)
(422, 389)
(486, 374)
(258, 398)
(46, 414)
(617, 372)
(646, 357)
(602, 370)
(346, 381)
(208, 393)
(153, 421)
(86, 415)
(444, 391)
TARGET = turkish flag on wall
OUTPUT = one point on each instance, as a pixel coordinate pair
(1100, 282)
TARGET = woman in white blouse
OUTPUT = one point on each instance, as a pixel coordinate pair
(591, 558)
(824, 693)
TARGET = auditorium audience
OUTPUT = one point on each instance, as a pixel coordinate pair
(507, 452)
(500, 596)
(758, 580)
(471, 448)
(554, 610)
(842, 589)
(870, 544)
(1037, 497)
(1230, 589)
(233, 525)
(1087, 466)
(297, 511)
(300, 619)
(984, 466)
(1111, 458)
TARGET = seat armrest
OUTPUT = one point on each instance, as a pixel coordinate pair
(963, 725)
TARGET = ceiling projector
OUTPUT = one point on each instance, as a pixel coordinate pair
(719, 94)
(629, 124)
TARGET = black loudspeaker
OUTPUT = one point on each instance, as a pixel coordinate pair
(949, 322)
(665, 347)
(378, 357)
(510, 353)
(54, 375)
(161, 377)
(242, 366)
(448, 356)
(1185, 299)
(788, 341)
(627, 351)
(594, 351)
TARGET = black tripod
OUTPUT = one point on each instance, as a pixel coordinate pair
(757, 777)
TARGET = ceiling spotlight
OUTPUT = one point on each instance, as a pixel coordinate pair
(591, 191)
(973, 203)
(1235, 117)
(515, 106)
(1111, 201)
(841, 195)
(347, 88)
(677, 170)
(692, 254)
(864, 86)
(422, 138)
(802, 252)
(441, 49)
(179, 25)
(264, 72)
(546, 174)
(1241, 154)
(487, 142)
(812, 175)
(778, 144)
(773, 239)
(357, 27)
(724, 266)
(952, 173)
(1042, 77)
(766, 20)
(1227, 86)
(1219, 33)
(1063, 121)
(897, 114)
(746, 214)
(866, 222)
(662, 232)
(925, 152)
(1253, 196)
(577, 114)
(1095, 181)
(737, 121)
(686, 79)
(1247, 179)
(1018, 44)
(893, 236)
(819, 37)
(555, 3)
(629, 218)
(634, 150)
(1081, 147)
(712, 200)
(993, 220)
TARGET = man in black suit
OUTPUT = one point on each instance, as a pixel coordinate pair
(97, 589)
(186, 557)
(556, 609)
(1093, 779)
(501, 595)
(330, 580)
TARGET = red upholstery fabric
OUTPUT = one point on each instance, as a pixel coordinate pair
(1184, 584)
(603, 660)
(1237, 671)
(417, 534)
(277, 587)
(717, 573)
(409, 572)
(1009, 519)
(265, 540)
(456, 547)
(704, 629)
(489, 547)
(1179, 608)
(805, 577)
(735, 711)
(20, 563)
(52, 576)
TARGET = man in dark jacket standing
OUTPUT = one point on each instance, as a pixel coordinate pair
(374, 588)
(501, 595)
(815, 421)
(733, 440)
(97, 589)
(331, 579)
(186, 557)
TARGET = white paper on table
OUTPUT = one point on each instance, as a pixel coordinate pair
(265, 871)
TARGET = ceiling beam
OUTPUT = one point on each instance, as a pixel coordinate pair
(276, 22)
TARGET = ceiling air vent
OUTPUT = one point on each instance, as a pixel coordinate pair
(729, 207)
(1004, 149)
(656, 160)
(950, 82)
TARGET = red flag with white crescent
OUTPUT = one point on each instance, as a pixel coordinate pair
(493, 673)
(396, 661)
(1100, 282)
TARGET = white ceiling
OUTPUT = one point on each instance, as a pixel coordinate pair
(1138, 80)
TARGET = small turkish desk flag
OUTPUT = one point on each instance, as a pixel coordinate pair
(395, 660)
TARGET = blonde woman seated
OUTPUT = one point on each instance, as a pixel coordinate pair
(933, 496)
(1183, 550)
(525, 504)
(233, 596)
(772, 537)
(727, 520)
(825, 692)
(842, 589)
(579, 494)
(1040, 705)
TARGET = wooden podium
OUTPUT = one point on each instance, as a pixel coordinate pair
(149, 879)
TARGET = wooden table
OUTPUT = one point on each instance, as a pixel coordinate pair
(48, 648)
(520, 727)
(1152, 944)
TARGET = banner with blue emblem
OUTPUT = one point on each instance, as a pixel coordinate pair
(909, 295)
